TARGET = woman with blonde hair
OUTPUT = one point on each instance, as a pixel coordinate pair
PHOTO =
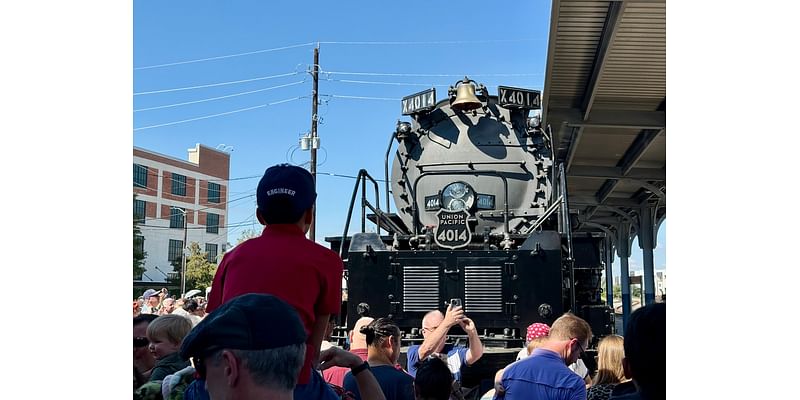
(610, 352)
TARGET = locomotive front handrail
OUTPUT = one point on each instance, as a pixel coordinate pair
(386, 171)
(545, 215)
(362, 180)
(415, 209)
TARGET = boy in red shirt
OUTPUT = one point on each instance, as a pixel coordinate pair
(284, 263)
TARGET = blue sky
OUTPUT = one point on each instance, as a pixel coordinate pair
(468, 37)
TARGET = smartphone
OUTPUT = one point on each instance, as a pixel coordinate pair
(455, 303)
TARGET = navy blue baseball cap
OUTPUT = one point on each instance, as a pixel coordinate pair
(285, 190)
(247, 322)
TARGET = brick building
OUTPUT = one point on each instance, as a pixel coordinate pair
(167, 191)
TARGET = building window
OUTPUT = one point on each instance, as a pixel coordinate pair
(139, 176)
(211, 249)
(178, 184)
(213, 192)
(212, 223)
(175, 250)
(176, 217)
(138, 211)
(138, 248)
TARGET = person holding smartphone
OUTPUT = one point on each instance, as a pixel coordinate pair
(435, 326)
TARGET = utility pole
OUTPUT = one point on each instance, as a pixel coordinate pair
(183, 252)
(314, 138)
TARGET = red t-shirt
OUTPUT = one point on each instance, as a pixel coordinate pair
(284, 263)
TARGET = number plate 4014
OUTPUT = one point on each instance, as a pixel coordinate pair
(452, 231)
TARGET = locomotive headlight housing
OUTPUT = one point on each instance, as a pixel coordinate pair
(458, 196)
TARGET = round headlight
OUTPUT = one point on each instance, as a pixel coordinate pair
(458, 196)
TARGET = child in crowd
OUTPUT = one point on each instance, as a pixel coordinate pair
(165, 334)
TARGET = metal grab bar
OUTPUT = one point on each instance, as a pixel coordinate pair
(550, 210)
(566, 227)
(361, 179)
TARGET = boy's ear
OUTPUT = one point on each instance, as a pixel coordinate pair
(260, 217)
(309, 215)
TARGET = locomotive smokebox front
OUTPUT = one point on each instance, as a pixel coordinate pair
(481, 170)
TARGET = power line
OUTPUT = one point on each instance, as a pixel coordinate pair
(344, 176)
(437, 42)
(219, 114)
(159, 175)
(232, 225)
(222, 57)
(441, 42)
(199, 209)
(219, 97)
(261, 78)
(242, 178)
(396, 83)
(337, 96)
(420, 75)
(385, 83)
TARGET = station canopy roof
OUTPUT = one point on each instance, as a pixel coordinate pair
(605, 100)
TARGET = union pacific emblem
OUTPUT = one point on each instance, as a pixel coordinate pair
(452, 231)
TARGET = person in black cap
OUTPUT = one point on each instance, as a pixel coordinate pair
(253, 347)
(284, 263)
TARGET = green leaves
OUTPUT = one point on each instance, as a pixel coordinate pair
(199, 271)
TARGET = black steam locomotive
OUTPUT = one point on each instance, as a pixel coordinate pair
(481, 216)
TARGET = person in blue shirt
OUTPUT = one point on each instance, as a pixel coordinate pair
(383, 349)
(544, 374)
(435, 326)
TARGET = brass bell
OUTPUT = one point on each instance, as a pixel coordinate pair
(465, 97)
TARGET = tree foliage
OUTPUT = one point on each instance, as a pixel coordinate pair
(247, 234)
(199, 271)
(139, 254)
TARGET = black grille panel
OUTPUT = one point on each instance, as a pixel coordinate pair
(483, 291)
(420, 287)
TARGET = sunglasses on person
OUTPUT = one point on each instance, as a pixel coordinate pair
(140, 341)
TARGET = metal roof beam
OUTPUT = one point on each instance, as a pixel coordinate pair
(629, 159)
(628, 119)
(617, 211)
(579, 200)
(650, 187)
(613, 19)
(637, 149)
(573, 147)
(606, 189)
(603, 221)
(597, 172)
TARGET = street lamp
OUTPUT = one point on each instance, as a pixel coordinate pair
(184, 250)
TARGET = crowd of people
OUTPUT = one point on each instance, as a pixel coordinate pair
(263, 333)
(154, 302)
